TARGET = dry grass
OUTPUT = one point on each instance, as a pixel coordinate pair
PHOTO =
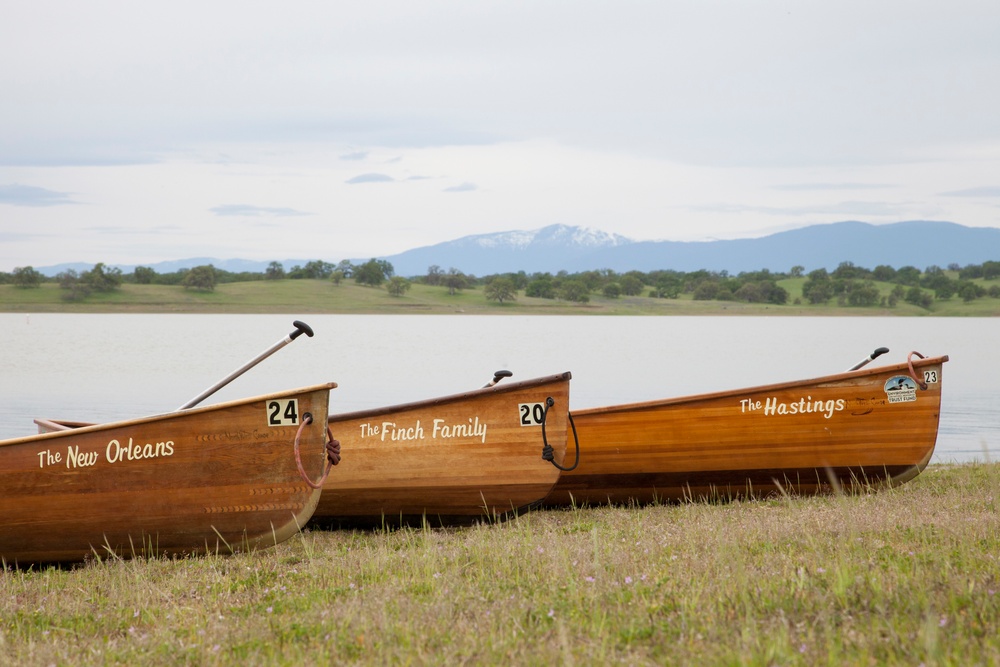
(898, 576)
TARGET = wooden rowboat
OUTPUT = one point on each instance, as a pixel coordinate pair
(227, 477)
(866, 426)
(454, 459)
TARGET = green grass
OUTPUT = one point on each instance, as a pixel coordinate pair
(322, 296)
(900, 576)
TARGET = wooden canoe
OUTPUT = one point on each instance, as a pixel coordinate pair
(449, 460)
(219, 478)
(875, 425)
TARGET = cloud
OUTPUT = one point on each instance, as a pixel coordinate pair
(464, 187)
(357, 155)
(806, 187)
(987, 191)
(370, 178)
(255, 211)
(28, 195)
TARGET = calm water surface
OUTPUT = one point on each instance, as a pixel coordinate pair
(104, 367)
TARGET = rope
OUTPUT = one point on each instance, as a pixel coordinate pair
(548, 453)
(913, 373)
(298, 459)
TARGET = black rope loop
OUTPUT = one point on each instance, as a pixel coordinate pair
(548, 453)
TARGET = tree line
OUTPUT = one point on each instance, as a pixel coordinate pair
(848, 284)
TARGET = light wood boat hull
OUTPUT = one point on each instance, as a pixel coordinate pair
(454, 459)
(220, 478)
(799, 437)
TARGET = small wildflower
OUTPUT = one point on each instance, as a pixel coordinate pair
(552, 613)
(628, 580)
(437, 575)
(216, 648)
(943, 622)
(820, 570)
(590, 580)
(135, 614)
(802, 648)
(541, 550)
(270, 610)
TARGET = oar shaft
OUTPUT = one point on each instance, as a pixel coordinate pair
(300, 328)
(871, 357)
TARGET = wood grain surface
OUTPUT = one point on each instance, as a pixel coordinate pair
(217, 478)
(870, 425)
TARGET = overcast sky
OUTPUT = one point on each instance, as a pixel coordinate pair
(135, 132)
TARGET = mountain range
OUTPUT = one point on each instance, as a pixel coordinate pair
(555, 248)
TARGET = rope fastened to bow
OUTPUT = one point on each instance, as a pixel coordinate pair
(548, 453)
(298, 458)
(913, 373)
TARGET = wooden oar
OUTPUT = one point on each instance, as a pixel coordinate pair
(864, 362)
(300, 328)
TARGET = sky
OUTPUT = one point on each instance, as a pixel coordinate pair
(133, 133)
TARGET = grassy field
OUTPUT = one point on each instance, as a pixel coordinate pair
(322, 296)
(897, 576)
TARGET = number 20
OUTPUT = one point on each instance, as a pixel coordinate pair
(532, 414)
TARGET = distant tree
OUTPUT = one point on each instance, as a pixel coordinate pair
(200, 278)
(346, 268)
(275, 271)
(143, 275)
(500, 290)
(26, 277)
(337, 276)
(434, 275)
(847, 270)
(612, 290)
(541, 287)
(631, 285)
(575, 291)
(706, 290)
(918, 297)
(908, 275)
(818, 287)
(797, 271)
(864, 293)
(318, 269)
(970, 291)
(75, 289)
(397, 286)
(102, 278)
(455, 281)
(667, 285)
(884, 273)
(370, 273)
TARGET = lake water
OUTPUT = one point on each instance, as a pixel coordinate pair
(105, 367)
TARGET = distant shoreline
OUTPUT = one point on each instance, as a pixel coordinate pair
(324, 297)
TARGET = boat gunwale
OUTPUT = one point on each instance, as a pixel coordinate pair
(451, 398)
(658, 403)
(91, 428)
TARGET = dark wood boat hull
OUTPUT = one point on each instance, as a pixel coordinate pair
(864, 427)
(455, 459)
(221, 478)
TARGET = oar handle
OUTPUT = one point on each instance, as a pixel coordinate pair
(300, 328)
(499, 375)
